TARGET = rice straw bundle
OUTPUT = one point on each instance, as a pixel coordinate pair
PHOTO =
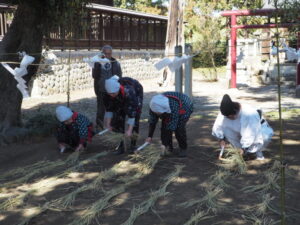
(197, 217)
(154, 196)
(15, 201)
(235, 161)
(97, 207)
(19, 172)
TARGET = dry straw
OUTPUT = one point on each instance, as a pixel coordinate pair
(140, 168)
(235, 161)
(197, 217)
(271, 178)
(15, 201)
(46, 206)
(148, 204)
(29, 172)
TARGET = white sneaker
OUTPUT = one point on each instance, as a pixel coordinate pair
(62, 150)
(260, 158)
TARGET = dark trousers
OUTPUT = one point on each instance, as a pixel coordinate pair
(180, 134)
(69, 136)
(118, 122)
(100, 110)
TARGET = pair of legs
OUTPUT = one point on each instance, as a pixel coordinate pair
(100, 110)
(180, 134)
(118, 123)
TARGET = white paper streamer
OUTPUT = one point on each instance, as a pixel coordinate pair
(21, 71)
(173, 63)
(94, 59)
(162, 63)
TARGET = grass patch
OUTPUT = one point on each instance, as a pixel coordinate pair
(286, 114)
(42, 124)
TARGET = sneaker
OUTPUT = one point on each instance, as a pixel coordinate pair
(182, 153)
(260, 158)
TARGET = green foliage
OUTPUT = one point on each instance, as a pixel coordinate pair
(205, 31)
(147, 6)
(54, 12)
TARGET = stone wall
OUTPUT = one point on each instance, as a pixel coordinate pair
(52, 77)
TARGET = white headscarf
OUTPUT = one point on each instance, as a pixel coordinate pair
(160, 104)
(63, 113)
(112, 84)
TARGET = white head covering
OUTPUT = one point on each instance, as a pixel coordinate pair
(63, 113)
(112, 84)
(160, 104)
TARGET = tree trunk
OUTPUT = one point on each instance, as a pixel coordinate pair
(24, 34)
(175, 15)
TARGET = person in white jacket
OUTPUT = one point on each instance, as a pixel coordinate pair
(243, 127)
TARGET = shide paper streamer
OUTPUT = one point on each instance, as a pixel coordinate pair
(96, 58)
(21, 71)
(173, 63)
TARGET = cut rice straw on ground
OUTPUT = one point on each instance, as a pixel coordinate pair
(146, 205)
(254, 220)
(38, 169)
(270, 183)
(15, 201)
(218, 179)
(112, 138)
(47, 205)
(140, 168)
(197, 217)
(92, 212)
(210, 200)
(95, 210)
(235, 161)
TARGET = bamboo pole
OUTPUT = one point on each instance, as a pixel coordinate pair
(281, 150)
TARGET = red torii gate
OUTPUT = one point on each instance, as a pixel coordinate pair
(233, 14)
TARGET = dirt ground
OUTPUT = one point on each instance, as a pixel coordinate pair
(231, 204)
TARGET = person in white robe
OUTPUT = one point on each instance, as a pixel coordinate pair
(243, 127)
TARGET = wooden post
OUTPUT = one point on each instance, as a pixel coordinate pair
(122, 32)
(100, 35)
(130, 32)
(111, 28)
(139, 33)
(147, 33)
(175, 19)
(89, 29)
(154, 33)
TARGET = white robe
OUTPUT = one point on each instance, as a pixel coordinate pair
(245, 132)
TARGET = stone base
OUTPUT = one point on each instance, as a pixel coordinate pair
(298, 91)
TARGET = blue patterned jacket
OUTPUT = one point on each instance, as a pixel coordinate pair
(129, 99)
(181, 109)
(81, 124)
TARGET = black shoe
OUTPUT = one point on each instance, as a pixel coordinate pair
(182, 153)
(132, 148)
(120, 149)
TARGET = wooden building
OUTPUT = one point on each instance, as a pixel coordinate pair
(101, 25)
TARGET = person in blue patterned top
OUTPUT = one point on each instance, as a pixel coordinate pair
(74, 129)
(174, 109)
(124, 98)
